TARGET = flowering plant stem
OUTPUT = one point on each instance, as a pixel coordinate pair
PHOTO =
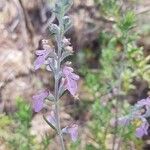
(57, 115)
(63, 74)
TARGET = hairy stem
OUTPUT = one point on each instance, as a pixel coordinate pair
(58, 115)
(57, 79)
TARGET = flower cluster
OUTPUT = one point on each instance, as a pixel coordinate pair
(39, 100)
(55, 62)
(72, 130)
(140, 111)
(71, 80)
(42, 54)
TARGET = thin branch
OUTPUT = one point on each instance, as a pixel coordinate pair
(142, 11)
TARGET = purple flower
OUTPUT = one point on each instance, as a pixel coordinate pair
(71, 80)
(123, 121)
(142, 130)
(144, 102)
(72, 130)
(39, 100)
(42, 55)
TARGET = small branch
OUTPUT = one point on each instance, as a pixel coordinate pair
(21, 18)
(116, 124)
(142, 10)
(28, 24)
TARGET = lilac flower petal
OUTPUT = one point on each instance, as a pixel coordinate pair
(123, 121)
(67, 70)
(71, 80)
(71, 86)
(40, 52)
(139, 133)
(144, 102)
(73, 131)
(142, 130)
(39, 100)
(39, 62)
(74, 76)
(38, 105)
(41, 58)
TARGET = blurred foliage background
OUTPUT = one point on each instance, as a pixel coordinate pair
(112, 56)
